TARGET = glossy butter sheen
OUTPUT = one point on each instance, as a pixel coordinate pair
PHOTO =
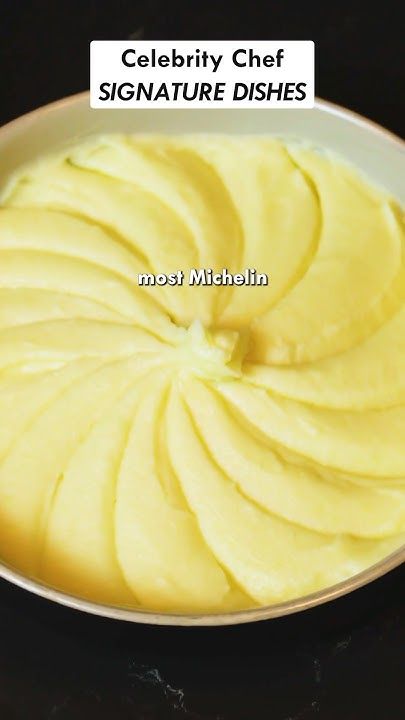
(199, 448)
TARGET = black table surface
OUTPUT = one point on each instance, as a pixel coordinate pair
(342, 661)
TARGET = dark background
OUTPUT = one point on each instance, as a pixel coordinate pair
(343, 661)
(359, 46)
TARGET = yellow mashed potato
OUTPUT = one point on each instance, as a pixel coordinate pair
(199, 448)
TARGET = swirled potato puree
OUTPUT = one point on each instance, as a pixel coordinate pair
(199, 448)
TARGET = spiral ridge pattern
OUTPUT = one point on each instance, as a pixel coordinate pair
(193, 448)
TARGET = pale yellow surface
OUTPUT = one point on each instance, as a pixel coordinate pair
(192, 449)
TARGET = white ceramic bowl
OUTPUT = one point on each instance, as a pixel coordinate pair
(375, 151)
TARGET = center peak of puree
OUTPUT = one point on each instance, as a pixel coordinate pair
(212, 352)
